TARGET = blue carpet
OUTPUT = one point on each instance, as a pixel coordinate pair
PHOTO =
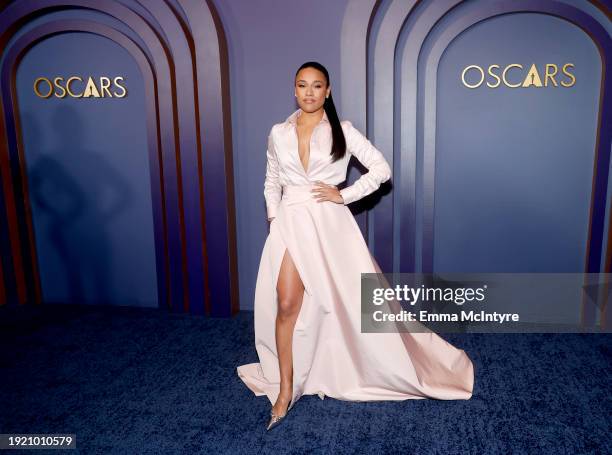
(129, 380)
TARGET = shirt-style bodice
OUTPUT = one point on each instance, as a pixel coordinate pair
(284, 166)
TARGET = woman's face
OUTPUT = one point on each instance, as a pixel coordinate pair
(311, 89)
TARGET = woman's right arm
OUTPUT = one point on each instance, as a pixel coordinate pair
(272, 186)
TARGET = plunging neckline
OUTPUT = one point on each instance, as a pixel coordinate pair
(296, 115)
(297, 135)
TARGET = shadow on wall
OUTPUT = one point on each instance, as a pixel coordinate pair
(75, 195)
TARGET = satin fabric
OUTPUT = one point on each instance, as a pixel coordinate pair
(331, 357)
(284, 166)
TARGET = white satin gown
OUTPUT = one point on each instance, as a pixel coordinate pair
(331, 357)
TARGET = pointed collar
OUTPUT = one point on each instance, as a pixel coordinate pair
(293, 117)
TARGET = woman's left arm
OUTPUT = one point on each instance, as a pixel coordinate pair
(379, 170)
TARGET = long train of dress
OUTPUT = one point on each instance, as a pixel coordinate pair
(330, 354)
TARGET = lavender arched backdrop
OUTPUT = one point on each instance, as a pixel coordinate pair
(394, 66)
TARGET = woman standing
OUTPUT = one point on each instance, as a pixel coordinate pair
(308, 292)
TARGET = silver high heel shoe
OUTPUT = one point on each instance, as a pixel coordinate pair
(276, 419)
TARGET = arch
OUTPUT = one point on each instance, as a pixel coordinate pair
(356, 30)
(14, 16)
(413, 34)
(205, 139)
(187, 141)
(602, 154)
(416, 23)
(599, 36)
(177, 43)
(212, 81)
(384, 129)
(17, 157)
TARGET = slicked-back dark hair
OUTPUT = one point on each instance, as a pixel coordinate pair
(339, 142)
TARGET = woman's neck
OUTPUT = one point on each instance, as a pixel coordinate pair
(310, 118)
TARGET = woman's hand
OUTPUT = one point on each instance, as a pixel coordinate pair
(326, 192)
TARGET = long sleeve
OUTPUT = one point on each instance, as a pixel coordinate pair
(379, 170)
(272, 186)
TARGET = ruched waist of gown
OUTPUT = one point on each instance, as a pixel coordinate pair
(293, 194)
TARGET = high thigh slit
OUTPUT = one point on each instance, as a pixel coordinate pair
(331, 357)
(285, 253)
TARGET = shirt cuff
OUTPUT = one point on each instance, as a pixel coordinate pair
(349, 194)
(272, 209)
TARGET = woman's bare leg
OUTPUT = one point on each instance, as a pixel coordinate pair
(290, 294)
